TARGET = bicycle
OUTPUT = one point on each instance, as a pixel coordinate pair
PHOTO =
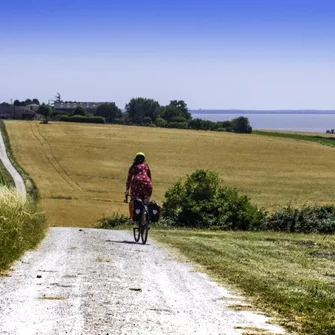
(143, 224)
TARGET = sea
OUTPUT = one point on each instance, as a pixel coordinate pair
(303, 120)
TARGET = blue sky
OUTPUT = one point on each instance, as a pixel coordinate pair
(249, 54)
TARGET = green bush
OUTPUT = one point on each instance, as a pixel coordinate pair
(308, 219)
(200, 201)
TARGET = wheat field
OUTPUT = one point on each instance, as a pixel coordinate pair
(81, 169)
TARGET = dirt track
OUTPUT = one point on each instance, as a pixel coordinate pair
(99, 282)
(19, 183)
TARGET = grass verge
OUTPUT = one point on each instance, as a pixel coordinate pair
(290, 275)
(329, 141)
(22, 226)
(31, 187)
(5, 177)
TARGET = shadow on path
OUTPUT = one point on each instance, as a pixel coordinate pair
(126, 242)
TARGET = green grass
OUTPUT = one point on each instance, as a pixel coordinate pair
(22, 226)
(330, 141)
(290, 275)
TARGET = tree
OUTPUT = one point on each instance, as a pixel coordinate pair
(138, 108)
(241, 125)
(182, 106)
(45, 110)
(109, 111)
(176, 111)
(27, 102)
(80, 111)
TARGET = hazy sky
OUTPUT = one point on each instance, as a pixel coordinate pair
(248, 54)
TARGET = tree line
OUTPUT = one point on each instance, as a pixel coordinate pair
(26, 102)
(148, 112)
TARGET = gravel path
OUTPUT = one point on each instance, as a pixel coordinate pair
(99, 282)
(19, 183)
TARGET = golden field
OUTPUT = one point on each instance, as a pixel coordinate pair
(81, 169)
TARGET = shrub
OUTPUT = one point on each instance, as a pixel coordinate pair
(200, 201)
(115, 220)
(22, 226)
(308, 219)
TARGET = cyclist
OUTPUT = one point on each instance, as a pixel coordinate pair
(139, 181)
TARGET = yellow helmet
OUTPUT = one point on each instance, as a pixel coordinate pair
(140, 154)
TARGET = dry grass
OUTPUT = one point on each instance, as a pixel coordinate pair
(22, 226)
(81, 169)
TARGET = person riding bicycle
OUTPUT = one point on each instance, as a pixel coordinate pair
(139, 181)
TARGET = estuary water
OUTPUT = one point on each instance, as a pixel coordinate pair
(309, 121)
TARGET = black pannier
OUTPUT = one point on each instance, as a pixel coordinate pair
(154, 211)
(137, 210)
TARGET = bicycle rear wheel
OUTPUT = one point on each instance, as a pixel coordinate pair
(144, 228)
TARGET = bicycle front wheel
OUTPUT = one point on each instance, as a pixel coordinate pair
(144, 228)
(136, 232)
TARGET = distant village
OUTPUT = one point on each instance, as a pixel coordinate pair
(28, 109)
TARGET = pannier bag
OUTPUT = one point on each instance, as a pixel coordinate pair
(154, 211)
(137, 210)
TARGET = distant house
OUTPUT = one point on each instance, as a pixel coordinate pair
(8, 111)
(69, 107)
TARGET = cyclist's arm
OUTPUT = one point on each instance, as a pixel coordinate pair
(129, 179)
(149, 173)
